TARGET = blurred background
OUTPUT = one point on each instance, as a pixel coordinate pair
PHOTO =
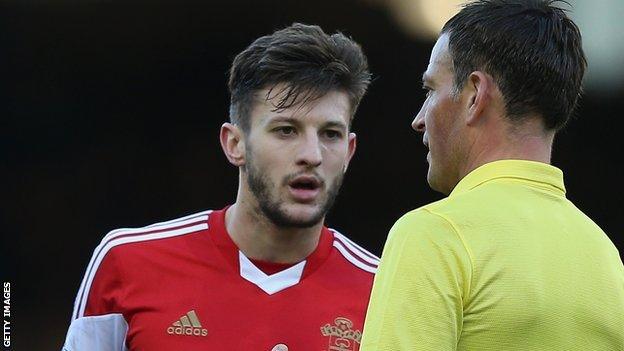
(110, 113)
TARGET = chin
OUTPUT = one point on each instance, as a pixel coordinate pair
(304, 213)
(296, 215)
(435, 184)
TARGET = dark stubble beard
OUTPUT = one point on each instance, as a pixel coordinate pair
(271, 208)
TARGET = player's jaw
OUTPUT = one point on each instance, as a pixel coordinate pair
(299, 200)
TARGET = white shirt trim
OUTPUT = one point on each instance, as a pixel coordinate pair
(270, 283)
(97, 333)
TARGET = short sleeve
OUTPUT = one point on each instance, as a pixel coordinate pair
(98, 323)
(420, 288)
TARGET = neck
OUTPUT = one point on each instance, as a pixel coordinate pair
(526, 142)
(259, 238)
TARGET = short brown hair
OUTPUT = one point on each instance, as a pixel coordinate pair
(531, 48)
(308, 61)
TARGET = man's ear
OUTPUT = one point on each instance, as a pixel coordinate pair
(350, 150)
(480, 85)
(233, 143)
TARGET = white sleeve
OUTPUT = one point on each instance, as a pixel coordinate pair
(97, 333)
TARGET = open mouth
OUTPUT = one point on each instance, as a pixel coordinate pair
(305, 183)
(305, 188)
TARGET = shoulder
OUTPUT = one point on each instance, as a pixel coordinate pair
(354, 254)
(425, 230)
(428, 218)
(450, 216)
(170, 229)
(109, 258)
(426, 243)
(122, 244)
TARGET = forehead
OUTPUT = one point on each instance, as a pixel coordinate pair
(440, 62)
(334, 107)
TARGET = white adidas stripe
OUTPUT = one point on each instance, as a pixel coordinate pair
(361, 249)
(80, 303)
(350, 258)
(356, 249)
(167, 224)
(358, 253)
(155, 227)
(130, 239)
(201, 216)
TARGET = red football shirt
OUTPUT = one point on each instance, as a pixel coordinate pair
(184, 285)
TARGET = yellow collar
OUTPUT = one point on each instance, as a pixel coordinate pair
(529, 170)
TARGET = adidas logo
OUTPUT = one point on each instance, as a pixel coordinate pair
(187, 325)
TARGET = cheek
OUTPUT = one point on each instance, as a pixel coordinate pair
(438, 135)
(434, 129)
(442, 115)
(336, 156)
(264, 160)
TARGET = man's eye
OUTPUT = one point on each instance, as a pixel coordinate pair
(285, 130)
(333, 134)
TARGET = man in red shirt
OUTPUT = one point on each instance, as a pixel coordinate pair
(263, 273)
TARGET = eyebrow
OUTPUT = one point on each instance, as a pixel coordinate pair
(335, 124)
(279, 119)
(295, 121)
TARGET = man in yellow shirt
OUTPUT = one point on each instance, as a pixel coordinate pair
(505, 262)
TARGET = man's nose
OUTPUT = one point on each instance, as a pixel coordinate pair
(418, 124)
(310, 153)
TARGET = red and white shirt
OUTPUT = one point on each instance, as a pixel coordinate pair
(185, 285)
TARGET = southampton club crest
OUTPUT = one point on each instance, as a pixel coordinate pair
(341, 335)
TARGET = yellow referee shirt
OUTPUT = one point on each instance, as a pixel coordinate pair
(505, 262)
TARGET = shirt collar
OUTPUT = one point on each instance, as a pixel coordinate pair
(521, 169)
(222, 240)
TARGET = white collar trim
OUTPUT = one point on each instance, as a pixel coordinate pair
(270, 283)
